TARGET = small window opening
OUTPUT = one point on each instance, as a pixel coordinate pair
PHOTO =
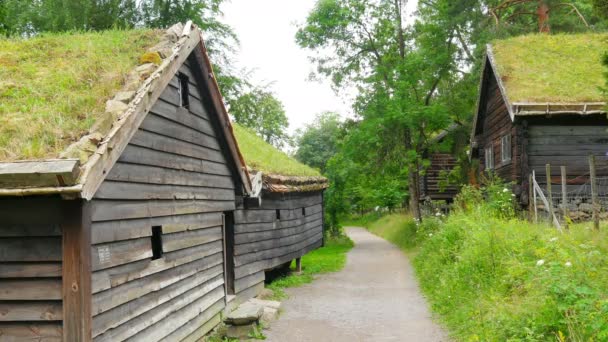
(489, 158)
(505, 148)
(157, 242)
(183, 90)
(303, 211)
(278, 214)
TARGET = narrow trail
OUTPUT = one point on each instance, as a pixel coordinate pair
(374, 298)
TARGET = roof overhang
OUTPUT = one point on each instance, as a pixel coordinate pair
(66, 177)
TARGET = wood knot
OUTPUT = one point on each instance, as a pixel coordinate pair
(75, 287)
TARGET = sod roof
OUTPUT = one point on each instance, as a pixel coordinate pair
(559, 68)
(261, 156)
(53, 87)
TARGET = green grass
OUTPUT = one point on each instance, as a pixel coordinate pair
(330, 258)
(552, 68)
(399, 229)
(53, 86)
(261, 156)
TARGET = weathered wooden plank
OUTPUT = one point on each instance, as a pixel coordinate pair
(28, 230)
(259, 246)
(145, 156)
(270, 215)
(106, 210)
(207, 293)
(171, 145)
(140, 191)
(567, 130)
(39, 332)
(30, 270)
(112, 277)
(31, 311)
(181, 240)
(49, 173)
(160, 175)
(291, 201)
(199, 326)
(108, 231)
(30, 249)
(124, 313)
(19, 211)
(160, 125)
(119, 253)
(183, 116)
(276, 233)
(30, 289)
(248, 281)
(273, 253)
(263, 226)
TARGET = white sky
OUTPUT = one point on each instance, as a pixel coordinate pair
(266, 30)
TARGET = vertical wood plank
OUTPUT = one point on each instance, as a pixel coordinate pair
(596, 216)
(299, 265)
(530, 199)
(564, 197)
(76, 272)
(549, 189)
(534, 193)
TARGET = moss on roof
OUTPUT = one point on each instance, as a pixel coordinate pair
(261, 156)
(53, 86)
(552, 68)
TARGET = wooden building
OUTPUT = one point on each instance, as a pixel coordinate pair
(122, 234)
(282, 220)
(540, 102)
(442, 161)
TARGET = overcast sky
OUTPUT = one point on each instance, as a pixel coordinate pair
(266, 29)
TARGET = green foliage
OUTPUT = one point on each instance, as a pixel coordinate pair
(495, 198)
(330, 258)
(262, 156)
(318, 141)
(262, 112)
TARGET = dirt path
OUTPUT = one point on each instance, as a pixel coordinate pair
(374, 298)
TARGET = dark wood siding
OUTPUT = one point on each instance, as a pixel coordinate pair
(174, 174)
(430, 188)
(263, 242)
(30, 269)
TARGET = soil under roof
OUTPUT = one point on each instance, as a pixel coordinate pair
(558, 68)
(261, 156)
(54, 86)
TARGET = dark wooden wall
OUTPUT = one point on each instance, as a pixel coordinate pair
(263, 242)
(30, 269)
(173, 174)
(440, 162)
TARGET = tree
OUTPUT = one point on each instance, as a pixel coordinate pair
(261, 111)
(318, 142)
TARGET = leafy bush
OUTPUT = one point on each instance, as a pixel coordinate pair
(495, 198)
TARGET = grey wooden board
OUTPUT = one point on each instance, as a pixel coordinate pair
(567, 130)
(276, 242)
(116, 276)
(138, 306)
(248, 281)
(44, 332)
(109, 231)
(141, 191)
(106, 210)
(276, 233)
(181, 240)
(276, 252)
(30, 270)
(183, 116)
(119, 253)
(29, 230)
(160, 125)
(270, 216)
(30, 289)
(198, 327)
(263, 226)
(167, 144)
(19, 211)
(30, 249)
(39, 173)
(31, 311)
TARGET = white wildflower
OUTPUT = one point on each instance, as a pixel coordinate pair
(512, 195)
(430, 234)
(505, 190)
(568, 264)
(553, 239)
(540, 262)
(438, 214)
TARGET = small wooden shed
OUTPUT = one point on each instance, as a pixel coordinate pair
(118, 232)
(540, 102)
(282, 219)
(441, 161)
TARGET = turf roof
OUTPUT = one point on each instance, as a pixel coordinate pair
(54, 86)
(261, 156)
(560, 68)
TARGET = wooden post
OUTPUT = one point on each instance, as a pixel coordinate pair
(534, 188)
(76, 271)
(564, 197)
(530, 198)
(549, 190)
(299, 265)
(596, 207)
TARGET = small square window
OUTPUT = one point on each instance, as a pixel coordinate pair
(183, 91)
(505, 148)
(489, 152)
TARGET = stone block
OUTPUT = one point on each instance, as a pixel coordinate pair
(246, 313)
(240, 331)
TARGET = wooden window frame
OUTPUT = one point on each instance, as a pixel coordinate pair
(489, 157)
(506, 146)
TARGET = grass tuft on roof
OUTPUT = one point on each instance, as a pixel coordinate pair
(558, 68)
(261, 156)
(53, 86)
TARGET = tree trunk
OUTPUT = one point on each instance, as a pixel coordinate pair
(542, 13)
(414, 196)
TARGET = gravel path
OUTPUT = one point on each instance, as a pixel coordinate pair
(374, 298)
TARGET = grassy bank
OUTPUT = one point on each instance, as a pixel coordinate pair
(330, 258)
(491, 279)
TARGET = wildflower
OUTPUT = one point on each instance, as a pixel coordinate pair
(553, 239)
(568, 264)
(438, 214)
(505, 190)
(540, 262)
(430, 234)
(512, 195)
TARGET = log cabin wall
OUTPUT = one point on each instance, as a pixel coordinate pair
(440, 163)
(171, 187)
(285, 227)
(30, 269)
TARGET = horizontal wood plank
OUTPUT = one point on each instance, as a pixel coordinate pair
(31, 311)
(30, 270)
(30, 289)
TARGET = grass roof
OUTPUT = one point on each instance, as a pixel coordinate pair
(52, 87)
(556, 68)
(261, 156)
